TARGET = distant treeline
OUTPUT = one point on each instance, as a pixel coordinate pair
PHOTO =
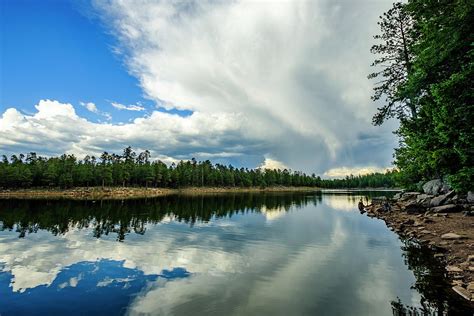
(373, 180)
(132, 169)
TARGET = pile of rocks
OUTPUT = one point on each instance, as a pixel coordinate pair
(437, 197)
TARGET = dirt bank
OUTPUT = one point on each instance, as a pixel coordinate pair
(129, 192)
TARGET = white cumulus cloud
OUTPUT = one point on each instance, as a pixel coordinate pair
(90, 106)
(269, 163)
(346, 171)
(56, 128)
(296, 69)
(285, 80)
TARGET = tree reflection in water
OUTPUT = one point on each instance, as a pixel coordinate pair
(432, 282)
(122, 217)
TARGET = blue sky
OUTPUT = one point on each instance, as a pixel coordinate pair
(273, 84)
(60, 50)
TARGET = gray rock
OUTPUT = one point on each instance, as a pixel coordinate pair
(397, 196)
(468, 213)
(437, 200)
(452, 236)
(449, 208)
(409, 196)
(424, 199)
(442, 199)
(433, 187)
(470, 197)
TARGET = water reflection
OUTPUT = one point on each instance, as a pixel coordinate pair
(122, 217)
(251, 254)
(432, 282)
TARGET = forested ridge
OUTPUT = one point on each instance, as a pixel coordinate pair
(139, 170)
(424, 75)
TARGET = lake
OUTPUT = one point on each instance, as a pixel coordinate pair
(225, 254)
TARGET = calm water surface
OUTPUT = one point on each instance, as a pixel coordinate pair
(240, 254)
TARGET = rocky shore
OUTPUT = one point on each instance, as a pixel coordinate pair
(441, 219)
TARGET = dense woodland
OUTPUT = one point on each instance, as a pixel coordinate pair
(132, 169)
(424, 71)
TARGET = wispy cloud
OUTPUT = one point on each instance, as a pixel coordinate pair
(91, 107)
(131, 107)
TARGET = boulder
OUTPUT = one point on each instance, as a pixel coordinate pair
(449, 208)
(442, 199)
(437, 200)
(470, 197)
(409, 196)
(433, 187)
(452, 236)
(424, 199)
(423, 196)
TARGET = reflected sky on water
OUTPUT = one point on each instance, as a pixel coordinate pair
(241, 254)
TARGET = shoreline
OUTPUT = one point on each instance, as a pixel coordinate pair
(111, 193)
(450, 236)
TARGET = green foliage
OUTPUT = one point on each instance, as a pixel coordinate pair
(438, 141)
(131, 169)
(394, 48)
